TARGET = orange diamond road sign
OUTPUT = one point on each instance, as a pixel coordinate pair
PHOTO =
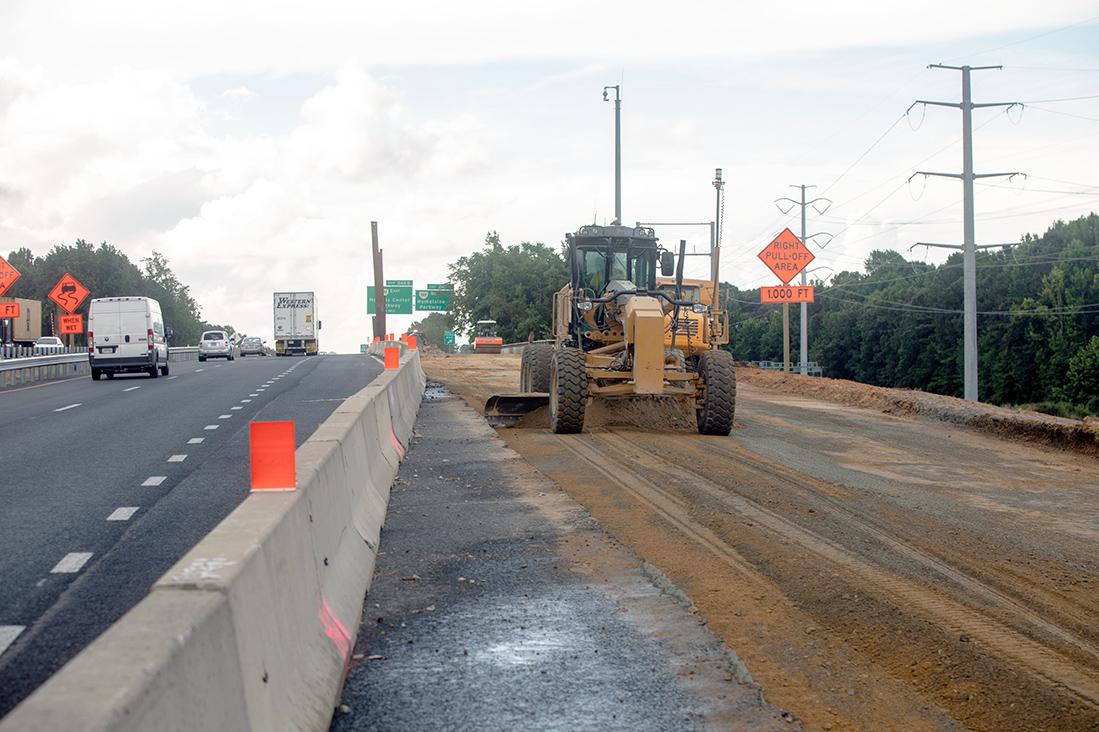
(70, 324)
(68, 293)
(8, 275)
(786, 293)
(9, 310)
(786, 255)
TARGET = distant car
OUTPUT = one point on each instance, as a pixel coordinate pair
(252, 347)
(48, 344)
(215, 344)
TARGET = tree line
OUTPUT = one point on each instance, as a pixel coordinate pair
(897, 322)
(108, 272)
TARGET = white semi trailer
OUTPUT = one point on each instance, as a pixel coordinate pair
(296, 324)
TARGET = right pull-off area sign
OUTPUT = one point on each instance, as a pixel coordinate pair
(786, 256)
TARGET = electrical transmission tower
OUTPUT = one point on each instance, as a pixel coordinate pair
(969, 246)
(804, 355)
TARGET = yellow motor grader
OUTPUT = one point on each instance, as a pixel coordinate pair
(621, 332)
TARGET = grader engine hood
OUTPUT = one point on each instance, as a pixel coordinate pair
(644, 330)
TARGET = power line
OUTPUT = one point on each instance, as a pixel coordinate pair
(1062, 99)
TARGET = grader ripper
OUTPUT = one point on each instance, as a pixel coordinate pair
(620, 333)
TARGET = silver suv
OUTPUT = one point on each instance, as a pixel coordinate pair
(215, 344)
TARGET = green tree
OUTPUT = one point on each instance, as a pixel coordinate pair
(433, 326)
(1082, 380)
(512, 285)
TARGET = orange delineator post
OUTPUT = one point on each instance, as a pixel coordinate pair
(272, 453)
(412, 343)
(392, 357)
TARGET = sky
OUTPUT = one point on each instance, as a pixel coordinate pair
(252, 143)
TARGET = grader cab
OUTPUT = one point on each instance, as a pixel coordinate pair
(621, 333)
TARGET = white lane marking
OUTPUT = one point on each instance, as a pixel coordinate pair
(71, 406)
(71, 562)
(8, 634)
(199, 370)
(235, 408)
(155, 480)
(217, 365)
(132, 388)
(123, 513)
(196, 440)
(224, 416)
(172, 377)
(211, 427)
(177, 458)
(261, 390)
(253, 395)
(245, 401)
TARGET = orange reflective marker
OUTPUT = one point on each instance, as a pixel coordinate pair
(272, 447)
(392, 357)
(389, 337)
(412, 343)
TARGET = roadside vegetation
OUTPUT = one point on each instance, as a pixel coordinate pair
(107, 272)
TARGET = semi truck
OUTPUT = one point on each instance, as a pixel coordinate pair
(27, 328)
(296, 324)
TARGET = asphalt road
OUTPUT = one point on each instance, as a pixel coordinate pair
(104, 485)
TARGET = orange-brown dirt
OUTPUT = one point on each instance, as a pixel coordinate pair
(873, 570)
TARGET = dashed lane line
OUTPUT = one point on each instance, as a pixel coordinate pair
(123, 513)
(224, 416)
(237, 408)
(132, 388)
(71, 406)
(155, 480)
(245, 401)
(196, 440)
(71, 563)
(211, 427)
(177, 458)
(8, 634)
(172, 377)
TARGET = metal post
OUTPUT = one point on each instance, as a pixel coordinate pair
(969, 242)
(715, 239)
(804, 343)
(379, 283)
(617, 157)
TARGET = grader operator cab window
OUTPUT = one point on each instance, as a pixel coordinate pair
(623, 263)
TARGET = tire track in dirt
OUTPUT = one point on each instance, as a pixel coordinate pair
(1002, 640)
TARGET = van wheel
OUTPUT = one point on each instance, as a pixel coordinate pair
(154, 371)
(201, 358)
(96, 374)
(164, 370)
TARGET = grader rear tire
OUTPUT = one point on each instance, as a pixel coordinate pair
(534, 368)
(718, 372)
(568, 391)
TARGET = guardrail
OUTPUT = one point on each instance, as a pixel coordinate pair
(11, 350)
(34, 369)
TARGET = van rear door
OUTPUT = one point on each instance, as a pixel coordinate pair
(106, 326)
(133, 318)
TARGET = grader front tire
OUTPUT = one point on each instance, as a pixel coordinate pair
(718, 372)
(568, 390)
(534, 368)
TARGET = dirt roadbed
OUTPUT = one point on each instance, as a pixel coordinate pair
(872, 570)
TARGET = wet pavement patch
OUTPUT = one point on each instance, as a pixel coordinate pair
(498, 604)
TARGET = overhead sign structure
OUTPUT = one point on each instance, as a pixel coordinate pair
(786, 256)
(70, 324)
(68, 293)
(8, 275)
(9, 310)
(433, 299)
(786, 293)
(398, 299)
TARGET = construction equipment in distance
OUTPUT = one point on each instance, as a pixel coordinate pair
(620, 332)
(485, 339)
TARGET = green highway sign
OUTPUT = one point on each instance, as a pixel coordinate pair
(398, 283)
(363, 348)
(433, 299)
(444, 286)
(398, 300)
(448, 338)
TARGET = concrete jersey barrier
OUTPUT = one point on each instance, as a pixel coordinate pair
(253, 628)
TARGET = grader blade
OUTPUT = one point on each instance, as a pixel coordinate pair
(505, 410)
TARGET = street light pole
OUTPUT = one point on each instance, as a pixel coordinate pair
(617, 150)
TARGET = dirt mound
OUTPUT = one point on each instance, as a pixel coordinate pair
(1069, 434)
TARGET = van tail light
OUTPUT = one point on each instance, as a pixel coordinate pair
(150, 338)
(91, 343)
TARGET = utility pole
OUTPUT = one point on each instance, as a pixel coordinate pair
(804, 344)
(379, 284)
(715, 244)
(969, 245)
(617, 150)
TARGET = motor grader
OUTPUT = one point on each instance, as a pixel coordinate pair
(622, 333)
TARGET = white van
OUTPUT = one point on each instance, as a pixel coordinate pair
(126, 334)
